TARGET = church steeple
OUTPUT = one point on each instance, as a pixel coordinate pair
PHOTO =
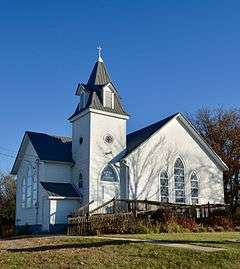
(99, 93)
(99, 75)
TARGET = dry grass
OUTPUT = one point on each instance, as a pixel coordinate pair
(78, 252)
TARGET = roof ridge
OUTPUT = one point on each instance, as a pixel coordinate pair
(41, 133)
(155, 123)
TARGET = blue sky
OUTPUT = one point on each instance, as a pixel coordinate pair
(164, 56)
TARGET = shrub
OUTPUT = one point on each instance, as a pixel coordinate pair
(236, 217)
(174, 227)
(210, 229)
(200, 229)
(237, 228)
(219, 229)
(224, 222)
(187, 223)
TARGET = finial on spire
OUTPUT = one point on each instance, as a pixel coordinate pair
(99, 54)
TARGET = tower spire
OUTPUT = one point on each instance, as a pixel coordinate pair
(99, 54)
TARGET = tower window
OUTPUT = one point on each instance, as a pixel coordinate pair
(109, 99)
(83, 98)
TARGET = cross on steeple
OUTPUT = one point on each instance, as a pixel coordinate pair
(99, 54)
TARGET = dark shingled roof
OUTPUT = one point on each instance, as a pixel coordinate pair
(136, 138)
(95, 103)
(51, 148)
(59, 189)
(98, 79)
(99, 75)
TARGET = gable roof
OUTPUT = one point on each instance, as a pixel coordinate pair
(59, 189)
(137, 138)
(51, 147)
(48, 148)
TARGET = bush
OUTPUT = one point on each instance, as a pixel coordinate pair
(224, 222)
(200, 229)
(219, 229)
(237, 228)
(210, 229)
(187, 223)
(236, 217)
(173, 227)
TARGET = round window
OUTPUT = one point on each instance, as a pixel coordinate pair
(108, 139)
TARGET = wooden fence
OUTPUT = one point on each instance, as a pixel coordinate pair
(119, 215)
(102, 223)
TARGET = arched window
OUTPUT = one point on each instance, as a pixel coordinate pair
(164, 186)
(109, 174)
(80, 182)
(29, 190)
(179, 181)
(194, 188)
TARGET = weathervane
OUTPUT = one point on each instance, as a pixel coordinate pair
(99, 54)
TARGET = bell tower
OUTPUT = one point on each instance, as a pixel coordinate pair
(98, 135)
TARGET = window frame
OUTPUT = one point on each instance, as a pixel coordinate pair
(183, 182)
(194, 198)
(117, 181)
(167, 186)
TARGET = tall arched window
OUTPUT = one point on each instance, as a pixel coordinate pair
(164, 187)
(179, 182)
(194, 188)
(29, 190)
(109, 174)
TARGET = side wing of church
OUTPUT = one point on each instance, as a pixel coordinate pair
(167, 161)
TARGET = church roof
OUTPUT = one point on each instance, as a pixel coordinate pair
(136, 138)
(99, 75)
(59, 189)
(50, 147)
(95, 103)
(99, 78)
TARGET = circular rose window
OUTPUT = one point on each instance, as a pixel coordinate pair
(108, 139)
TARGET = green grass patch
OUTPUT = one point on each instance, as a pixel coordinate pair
(82, 252)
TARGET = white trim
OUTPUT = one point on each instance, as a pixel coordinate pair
(62, 198)
(192, 130)
(57, 162)
(114, 115)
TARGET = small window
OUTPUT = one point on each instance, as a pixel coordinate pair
(80, 182)
(108, 99)
(24, 193)
(179, 181)
(80, 140)
(194, 188)
(83, 98)
(109, 174)
(164, 186)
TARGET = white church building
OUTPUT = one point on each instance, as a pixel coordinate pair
(166, 161)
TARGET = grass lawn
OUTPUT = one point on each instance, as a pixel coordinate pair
(81, 252)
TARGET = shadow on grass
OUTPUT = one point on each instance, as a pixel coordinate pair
(69, 246)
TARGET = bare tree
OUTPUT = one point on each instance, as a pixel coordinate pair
(221, 129)
(7, 199)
